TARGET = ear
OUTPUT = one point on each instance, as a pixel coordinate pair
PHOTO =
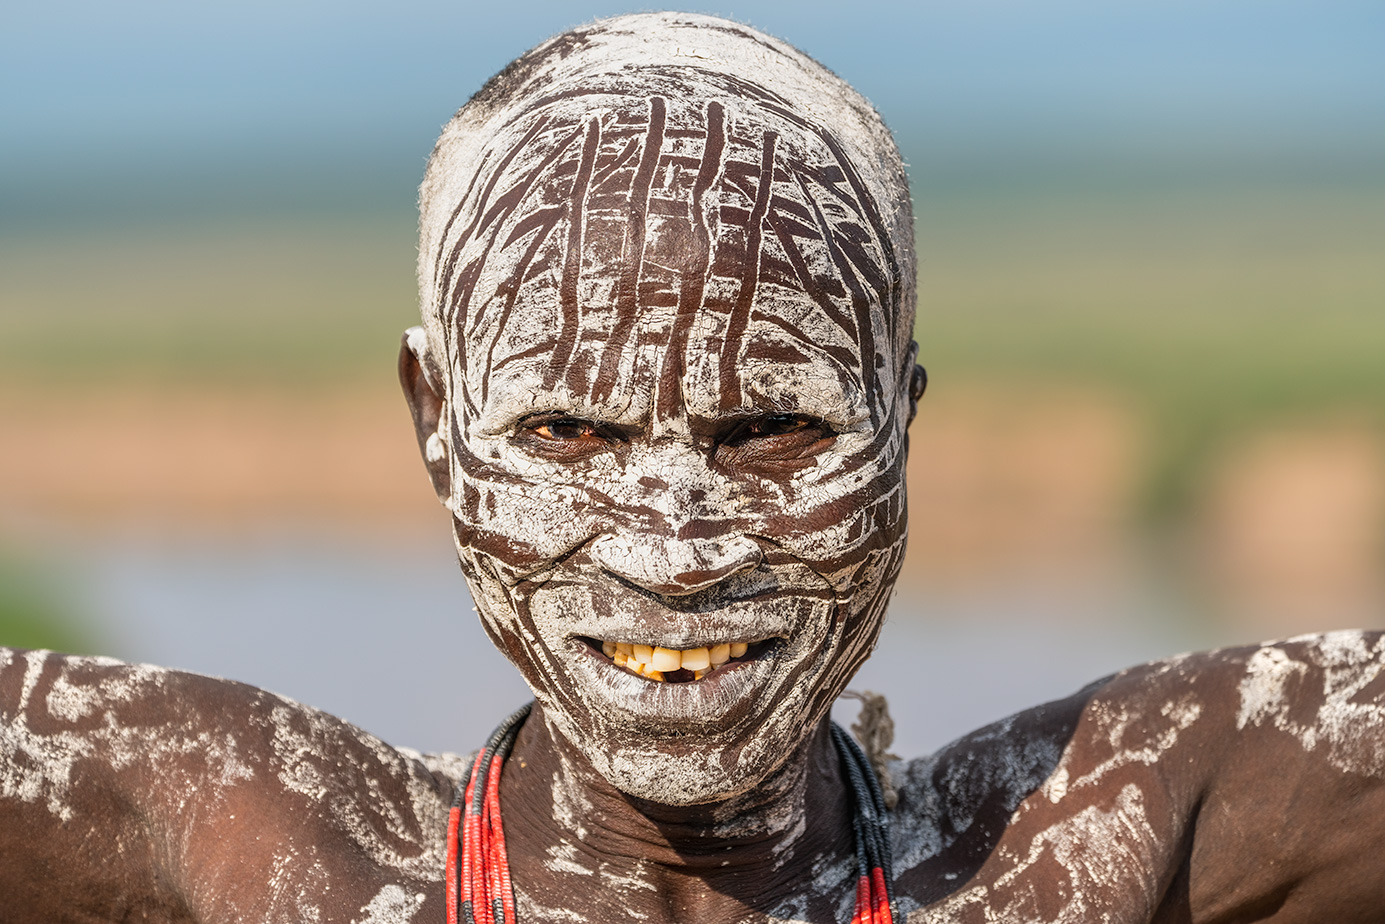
(918, 381)
(426, 406)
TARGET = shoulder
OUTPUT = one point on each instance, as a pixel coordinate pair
(955, 804)
(203, 764)
(1318, 689)
(1167, 763)
(64, 714)
(1323, 691)
(1316, 702)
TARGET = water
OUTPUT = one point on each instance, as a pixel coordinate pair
(385, 636)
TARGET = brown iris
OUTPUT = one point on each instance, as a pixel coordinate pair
(564, 438)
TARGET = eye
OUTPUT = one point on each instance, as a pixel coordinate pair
(775, 425)
(565, 429)
(563, 438)
(769, 426)
(775, 443)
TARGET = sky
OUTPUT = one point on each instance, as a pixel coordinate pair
(309, 104)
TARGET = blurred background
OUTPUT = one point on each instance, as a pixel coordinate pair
(1152, 240)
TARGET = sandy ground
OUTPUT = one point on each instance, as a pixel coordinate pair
(1289, 531)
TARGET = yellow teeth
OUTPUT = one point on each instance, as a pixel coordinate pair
(654, 662)
(667, 659)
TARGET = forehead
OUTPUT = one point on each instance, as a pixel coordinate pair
(767, 368)
(611, 246)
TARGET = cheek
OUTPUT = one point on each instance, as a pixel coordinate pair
(853, 536)
(524, 523)
(507, 618)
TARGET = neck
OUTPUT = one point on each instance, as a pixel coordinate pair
(569, 831)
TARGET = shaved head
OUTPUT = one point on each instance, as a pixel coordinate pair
(656, 169)
(667, 284)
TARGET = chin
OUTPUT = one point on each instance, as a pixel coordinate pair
(692, 776)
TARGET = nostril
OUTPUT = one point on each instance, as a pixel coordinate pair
(676, 567)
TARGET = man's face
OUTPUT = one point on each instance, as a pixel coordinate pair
(675, 420)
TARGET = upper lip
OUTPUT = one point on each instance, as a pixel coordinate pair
(630, 613)
(737, 587)
(676, 644)
(643, 620)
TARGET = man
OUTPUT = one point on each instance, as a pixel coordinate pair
(662, 387)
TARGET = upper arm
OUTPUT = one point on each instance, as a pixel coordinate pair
(1292, 821)
(78, 833)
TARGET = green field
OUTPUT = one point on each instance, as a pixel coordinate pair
(32, 613)
(270, 300)
(1211, 309)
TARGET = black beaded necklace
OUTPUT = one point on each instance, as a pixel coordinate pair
(478, 870)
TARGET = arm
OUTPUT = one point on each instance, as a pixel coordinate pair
(1291, 821)
(1231, 785)
(128, 790)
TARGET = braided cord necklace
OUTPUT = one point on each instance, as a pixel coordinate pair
(478, 870)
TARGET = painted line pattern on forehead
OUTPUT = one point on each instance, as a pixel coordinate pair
(740, 315)
(572, 266)
(627, 233)
(449, 267)
(694, 284)
(627, 291)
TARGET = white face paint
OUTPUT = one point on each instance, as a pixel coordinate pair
(668, 298)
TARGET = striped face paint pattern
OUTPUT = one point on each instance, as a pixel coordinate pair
(666, 270)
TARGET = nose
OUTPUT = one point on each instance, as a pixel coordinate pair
(675, 567)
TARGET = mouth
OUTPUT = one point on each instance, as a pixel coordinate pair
(674, 665)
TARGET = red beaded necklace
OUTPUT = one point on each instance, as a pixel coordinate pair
(478, 871)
